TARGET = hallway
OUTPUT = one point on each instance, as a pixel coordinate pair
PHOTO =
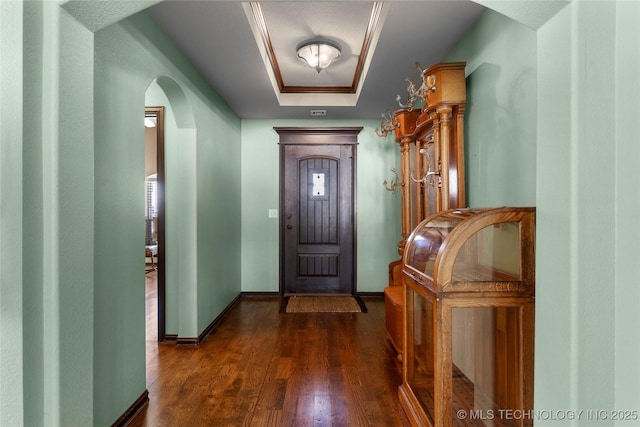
(265, 368)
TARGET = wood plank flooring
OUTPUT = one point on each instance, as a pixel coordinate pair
(260, 367)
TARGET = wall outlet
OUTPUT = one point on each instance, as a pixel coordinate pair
(273, 213)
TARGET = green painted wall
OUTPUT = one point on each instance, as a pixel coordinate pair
(500, 122)
(587, 197)
(202, 155)
(626, 268)
(12, 327)
(378, 223)
(52, 299)
(73, 341)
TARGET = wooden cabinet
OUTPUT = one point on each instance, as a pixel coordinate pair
(432, 177)
(469, 279)
(431, 142)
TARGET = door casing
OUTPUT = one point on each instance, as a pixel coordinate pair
(316, 139)
(161, 265)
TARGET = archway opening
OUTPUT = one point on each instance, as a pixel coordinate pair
(169, 192)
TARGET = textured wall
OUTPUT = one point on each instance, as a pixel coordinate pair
(500, 122)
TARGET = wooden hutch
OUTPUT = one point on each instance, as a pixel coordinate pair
(460, 301)
(432, 178)
(431, 142)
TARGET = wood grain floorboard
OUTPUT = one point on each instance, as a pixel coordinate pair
(260, 367)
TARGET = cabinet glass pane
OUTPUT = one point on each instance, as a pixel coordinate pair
(492, 254)
(485, 369)
(421, 367)
(425, 246)
(428, 237)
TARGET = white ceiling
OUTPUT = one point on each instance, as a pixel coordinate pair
(224, 41)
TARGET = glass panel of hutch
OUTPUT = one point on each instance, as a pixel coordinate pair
(469, 287)
(420, 368)
(492, 254)
(485, 366)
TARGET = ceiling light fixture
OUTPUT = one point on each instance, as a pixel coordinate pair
(318, 54)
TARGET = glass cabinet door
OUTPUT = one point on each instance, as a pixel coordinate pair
(487, 366)
(420, 350)
(491, 254)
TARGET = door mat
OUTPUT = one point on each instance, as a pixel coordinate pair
(323, 304)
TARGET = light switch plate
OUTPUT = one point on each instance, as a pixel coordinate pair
(273, 213)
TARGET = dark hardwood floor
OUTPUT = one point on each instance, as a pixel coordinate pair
(260, 367)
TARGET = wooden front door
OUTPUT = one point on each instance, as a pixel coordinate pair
(317, 210)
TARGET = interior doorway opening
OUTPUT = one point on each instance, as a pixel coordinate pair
(154, 220)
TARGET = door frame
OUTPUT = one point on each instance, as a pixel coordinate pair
(161, 264)
(317, 136)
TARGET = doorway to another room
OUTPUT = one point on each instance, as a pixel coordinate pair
(154, 220)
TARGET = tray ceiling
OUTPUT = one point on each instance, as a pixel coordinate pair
(247, 50)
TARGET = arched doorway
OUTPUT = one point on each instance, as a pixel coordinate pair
(174, 209)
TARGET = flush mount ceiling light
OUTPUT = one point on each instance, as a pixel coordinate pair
(318, 54)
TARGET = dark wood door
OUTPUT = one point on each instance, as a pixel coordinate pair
(317, 216)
